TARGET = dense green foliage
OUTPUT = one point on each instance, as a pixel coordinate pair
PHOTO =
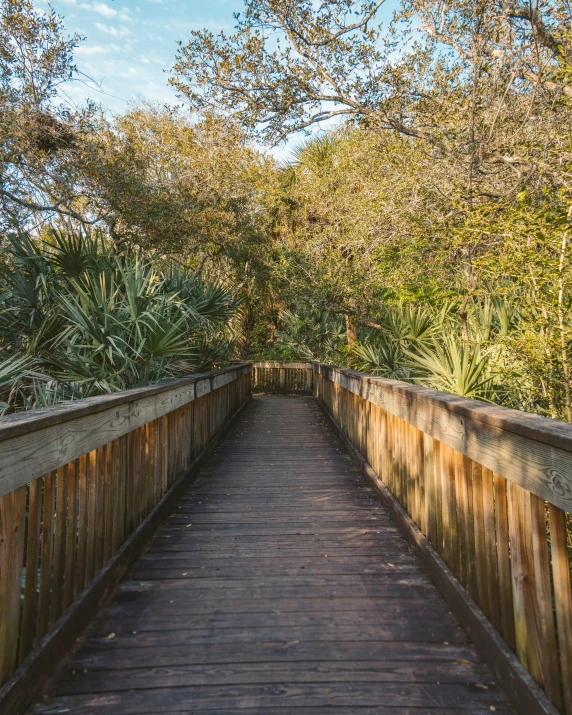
(78, 318)
(423, 234)
(366, 233)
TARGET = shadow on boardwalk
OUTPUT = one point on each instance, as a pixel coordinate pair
(278, 584)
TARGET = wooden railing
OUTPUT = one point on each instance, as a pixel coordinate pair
(282, 377)
(491, 490)
(483, 494)
(77, 482)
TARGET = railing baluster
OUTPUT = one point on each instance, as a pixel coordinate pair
(503, 556)
(32, 556)
(70, 547)
(560, 558)
(12, 536)
(59, 545)
(46, 554)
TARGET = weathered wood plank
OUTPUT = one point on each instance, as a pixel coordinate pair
(32, 555)
(533, 452)
(59, 559)
(506, 604)
(82, 524)
(12, 536)
(258, 673)
(562, 597)
(530, 608)
(71, 535)
(47, 554)
(64, 433)
(444, 696)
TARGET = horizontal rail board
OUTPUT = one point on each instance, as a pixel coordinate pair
(283, 365)
(532, 451)
(33, 444)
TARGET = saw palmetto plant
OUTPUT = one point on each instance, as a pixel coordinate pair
(79, 318)
(470, 353)
(383, 357)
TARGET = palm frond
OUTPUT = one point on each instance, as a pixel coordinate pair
(454, 366)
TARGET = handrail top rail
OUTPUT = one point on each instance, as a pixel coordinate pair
(288, 364)
(24, 422)
(555, 433)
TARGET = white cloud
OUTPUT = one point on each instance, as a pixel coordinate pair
(100, 8)
(153, 60)
(113, 31)
(128, 73)
(90, 50)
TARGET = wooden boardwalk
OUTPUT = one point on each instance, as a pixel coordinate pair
(278, 584)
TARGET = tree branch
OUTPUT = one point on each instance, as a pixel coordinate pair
(525, 11)
(56, 208)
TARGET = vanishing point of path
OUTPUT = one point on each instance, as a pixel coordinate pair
(278, 584)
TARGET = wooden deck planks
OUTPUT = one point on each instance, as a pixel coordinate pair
(277, 584)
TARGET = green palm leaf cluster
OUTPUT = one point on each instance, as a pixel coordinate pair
(465, 350)
(311, 334)
(454, 366)
(79, 318)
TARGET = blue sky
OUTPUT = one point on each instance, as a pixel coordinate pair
(130, 43)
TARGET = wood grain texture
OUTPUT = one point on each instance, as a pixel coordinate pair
(282, 377)
(47, 554)
(33, 536)
(506, 598)
(64, 433)
(58, 563)
(85, 517)
(523, 691)
(532, 451)
(494, 541)
(12, 536)
(562, 597)
(441, 456)
(246, 599)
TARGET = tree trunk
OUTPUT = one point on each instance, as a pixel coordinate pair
(351, 330)
(562, 326)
